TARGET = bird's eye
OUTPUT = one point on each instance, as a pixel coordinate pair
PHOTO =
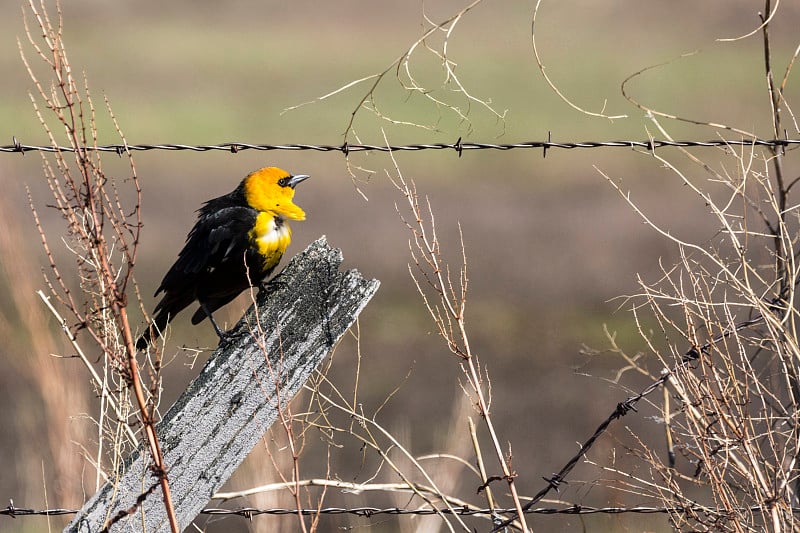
(283, 182)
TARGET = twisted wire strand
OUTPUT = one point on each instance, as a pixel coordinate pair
(575, 509)
(459, 146)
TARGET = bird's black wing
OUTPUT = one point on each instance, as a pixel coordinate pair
(219, 236)
(218, 239)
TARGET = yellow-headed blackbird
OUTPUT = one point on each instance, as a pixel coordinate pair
(236, 243)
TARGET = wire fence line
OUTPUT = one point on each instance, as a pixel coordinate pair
(346, 148)
(575, 509)
(459, 146)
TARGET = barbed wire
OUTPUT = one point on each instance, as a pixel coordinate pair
(623, 408)
(346, 148)
(459, 146)
(575, 509)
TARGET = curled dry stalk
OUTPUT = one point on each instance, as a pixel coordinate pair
(404, 71)
(446, 301)
(543, 71)
(103, 227)
(733, 438)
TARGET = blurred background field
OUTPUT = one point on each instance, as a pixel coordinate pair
(550, 245)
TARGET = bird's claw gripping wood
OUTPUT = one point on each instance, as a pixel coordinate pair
(236, 243)
(272, 285)
(223, 335)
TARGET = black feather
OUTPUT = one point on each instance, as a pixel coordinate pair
(217, 263)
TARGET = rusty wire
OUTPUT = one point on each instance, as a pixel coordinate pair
(346, 148)
(575, 509)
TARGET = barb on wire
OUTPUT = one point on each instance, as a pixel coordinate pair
(14, 511)
(459, 146)
(575, 509)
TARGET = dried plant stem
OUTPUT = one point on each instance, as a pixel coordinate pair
(402, 66)
(732, 299)
(339, 484)
(102, 229)
(556, 90)
(430, 272)
(89, 366)
(370, 439)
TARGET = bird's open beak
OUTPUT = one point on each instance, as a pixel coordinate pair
(294, 180)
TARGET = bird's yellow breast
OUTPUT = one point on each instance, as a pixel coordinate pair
(271, 235)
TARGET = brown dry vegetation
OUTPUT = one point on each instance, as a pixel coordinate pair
(549, 243)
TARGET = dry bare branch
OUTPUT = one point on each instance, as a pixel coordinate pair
(403, 67)
(102, 234)
(445, 300)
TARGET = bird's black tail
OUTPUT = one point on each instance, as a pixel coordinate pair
(169, 306)
(154, 330)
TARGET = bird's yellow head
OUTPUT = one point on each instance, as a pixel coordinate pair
(272, 189)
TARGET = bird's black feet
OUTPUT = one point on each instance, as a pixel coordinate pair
(224, 336)
(271, 286)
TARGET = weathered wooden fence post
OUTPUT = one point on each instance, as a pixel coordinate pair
(224, 412)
